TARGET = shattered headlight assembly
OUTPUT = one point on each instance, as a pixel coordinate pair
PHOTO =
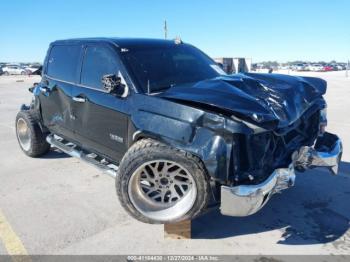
(323, 121)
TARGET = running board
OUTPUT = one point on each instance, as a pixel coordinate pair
(74, 151)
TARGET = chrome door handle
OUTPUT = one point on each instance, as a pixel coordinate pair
(79, 99)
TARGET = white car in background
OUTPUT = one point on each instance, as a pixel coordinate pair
(298, 67)
(340, 66)
(316, 67)
(284, 67)
(307, 67)
(14, 70)
(32, 68)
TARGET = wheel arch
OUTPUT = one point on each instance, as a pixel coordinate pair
(140, 135)
(205, 134)
(213, 150)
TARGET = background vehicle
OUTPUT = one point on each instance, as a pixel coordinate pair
(329, 68)
(307, 67)
(183, 134)
(32, 68)
(284, 67)
(335, 67)
(298, 67)
(14, 70)
(316, 67)
(341, 67)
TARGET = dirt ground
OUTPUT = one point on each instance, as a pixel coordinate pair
(59, 205)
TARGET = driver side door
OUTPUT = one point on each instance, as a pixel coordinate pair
(100, 117)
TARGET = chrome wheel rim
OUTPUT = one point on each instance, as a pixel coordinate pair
(162, 190)
(23, 134)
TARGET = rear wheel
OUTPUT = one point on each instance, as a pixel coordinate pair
(6, 73)
(160, 184)
(29, 135)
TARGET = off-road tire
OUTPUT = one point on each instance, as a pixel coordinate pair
(38, 145)
(148, 150)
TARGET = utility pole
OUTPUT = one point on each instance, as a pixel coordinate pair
(165, 30)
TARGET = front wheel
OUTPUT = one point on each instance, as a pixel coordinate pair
(160, 184)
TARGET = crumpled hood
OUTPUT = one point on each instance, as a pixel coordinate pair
(271, 100)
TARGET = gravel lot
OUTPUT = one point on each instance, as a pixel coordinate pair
(59, 205)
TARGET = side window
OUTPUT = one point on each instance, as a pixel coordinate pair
(63, 62)
(98, 61)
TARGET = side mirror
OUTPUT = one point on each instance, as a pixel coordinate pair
(112, 84)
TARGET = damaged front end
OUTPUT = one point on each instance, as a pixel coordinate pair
(255, 131)
(304, 145)
(246, 200)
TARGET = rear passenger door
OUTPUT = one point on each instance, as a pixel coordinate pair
(61, 74)
(101, 119)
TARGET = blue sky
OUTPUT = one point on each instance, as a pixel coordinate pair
(281, 30)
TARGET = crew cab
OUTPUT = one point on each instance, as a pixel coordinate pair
(176, 132)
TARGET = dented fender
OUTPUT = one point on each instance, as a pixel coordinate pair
(209, 136)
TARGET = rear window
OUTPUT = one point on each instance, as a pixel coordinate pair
(63, 62)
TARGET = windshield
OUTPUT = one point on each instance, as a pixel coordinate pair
(156, 69)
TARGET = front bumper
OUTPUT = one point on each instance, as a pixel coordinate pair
(246, 200)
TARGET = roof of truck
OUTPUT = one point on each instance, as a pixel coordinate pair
(121, 42)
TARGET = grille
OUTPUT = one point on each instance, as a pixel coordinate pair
(258, 155)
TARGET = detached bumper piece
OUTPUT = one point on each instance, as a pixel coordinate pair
(246, 200)
(326, 153)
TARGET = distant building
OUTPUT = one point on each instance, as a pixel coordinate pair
(226, 64)
(233, 65)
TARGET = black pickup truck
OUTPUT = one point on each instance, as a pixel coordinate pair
(176, 132)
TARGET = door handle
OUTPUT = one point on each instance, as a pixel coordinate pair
(79, 99)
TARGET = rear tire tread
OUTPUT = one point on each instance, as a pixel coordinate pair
(39, 146)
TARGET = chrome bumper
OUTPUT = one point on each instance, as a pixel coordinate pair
(246, 200)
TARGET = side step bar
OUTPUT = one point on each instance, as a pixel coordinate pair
(74, 151)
